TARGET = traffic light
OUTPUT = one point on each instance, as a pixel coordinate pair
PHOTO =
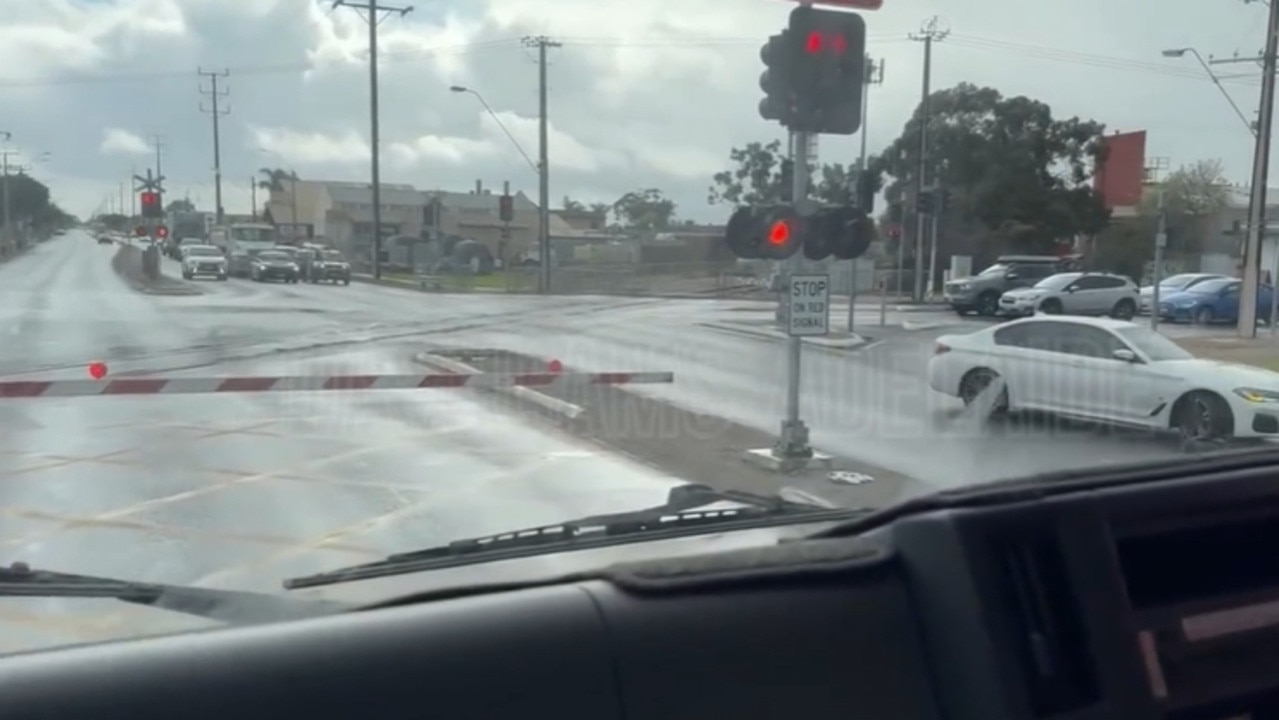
(151, 204)
(829, 70)
(162, 232)
(777, 232)
(926, 203)
(764, 233)
(778, 57)
(140, 231)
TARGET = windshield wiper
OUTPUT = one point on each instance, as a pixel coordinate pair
(229, 606)
(684, 513)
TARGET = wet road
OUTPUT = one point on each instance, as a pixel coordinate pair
(243, 490)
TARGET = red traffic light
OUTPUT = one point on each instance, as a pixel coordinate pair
(779, 233)
(150, 199)
(819, 42)
(162, 231)
(140, 230)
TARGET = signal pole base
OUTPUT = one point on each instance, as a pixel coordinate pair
(791, 453)
(769, 459)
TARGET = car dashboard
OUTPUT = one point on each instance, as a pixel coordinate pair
(1151, 594)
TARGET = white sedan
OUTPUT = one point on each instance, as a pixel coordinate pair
(1106, 370)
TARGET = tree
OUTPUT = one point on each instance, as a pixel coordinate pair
(1019, 179)
(275, 180)
(646, 209)
(180, 205)
(571, 205)
(756, 178)
(27, 196)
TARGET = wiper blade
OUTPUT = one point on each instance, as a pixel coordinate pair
(683, 513)
(229, 606)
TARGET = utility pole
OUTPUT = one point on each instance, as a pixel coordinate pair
(1260, 176)
(543, 164)
(928, 34)
(1161, 241)
(217, 111)
(4, 190)
(373, 13)
(133, 197)
(874, 76)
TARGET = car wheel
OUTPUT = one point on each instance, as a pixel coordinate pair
(1124, 310)
(1204, 316)
(1051, 306)
(976, 382)
(988, 304)
(346, 281)
(222, 277)
(1203, 416)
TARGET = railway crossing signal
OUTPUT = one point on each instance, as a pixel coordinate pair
(777, 232)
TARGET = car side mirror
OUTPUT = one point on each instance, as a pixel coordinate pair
(1125, 355)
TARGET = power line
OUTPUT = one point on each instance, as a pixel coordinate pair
(371, 12)
(968, 42)
(216, 111)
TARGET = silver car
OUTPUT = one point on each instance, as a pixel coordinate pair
(1075, 293)
(1173, 284)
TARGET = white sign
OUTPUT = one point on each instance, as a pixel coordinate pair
(808, 311)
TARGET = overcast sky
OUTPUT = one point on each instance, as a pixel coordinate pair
(643, 93)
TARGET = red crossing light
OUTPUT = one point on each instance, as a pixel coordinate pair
(162, 231)
(780, 233)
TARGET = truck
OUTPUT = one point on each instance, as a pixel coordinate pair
(240, 242)
(185, 226)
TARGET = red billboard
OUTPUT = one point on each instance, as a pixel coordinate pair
(1120, 178)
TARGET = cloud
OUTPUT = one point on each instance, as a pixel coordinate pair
(643, 93)
(122, 142)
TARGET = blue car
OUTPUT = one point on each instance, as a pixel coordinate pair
(1212, 301)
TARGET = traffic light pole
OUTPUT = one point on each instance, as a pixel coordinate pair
(792, 446)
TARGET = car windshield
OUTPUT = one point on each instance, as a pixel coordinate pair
(1057, 282)
(1152, 344)
(1212, 287)
(443, 347)
(1176, 282)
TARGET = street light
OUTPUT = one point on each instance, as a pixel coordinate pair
(1182, 52)
(496, 119)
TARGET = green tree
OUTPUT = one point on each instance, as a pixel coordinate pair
(275, 179)
(1019, 178)
(756, 178)
(180, 205)
(646, 209)
(28, 197)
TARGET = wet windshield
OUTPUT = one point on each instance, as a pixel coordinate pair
(478, 353)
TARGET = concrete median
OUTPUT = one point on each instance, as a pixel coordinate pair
(143, 273)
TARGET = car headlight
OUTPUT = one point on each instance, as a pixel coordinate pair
(293, 266)
(1258, 395)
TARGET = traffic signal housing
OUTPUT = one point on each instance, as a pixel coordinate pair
(773, 232)
(150, 202)
(777, 232)
(828, 72)
(778, 55)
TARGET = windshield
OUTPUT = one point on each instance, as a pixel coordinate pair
(203, 252)
(1153, 345)
(1177, 282)
(660, 286)
(253, 235)
(1057, 282)
(1211, 287)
